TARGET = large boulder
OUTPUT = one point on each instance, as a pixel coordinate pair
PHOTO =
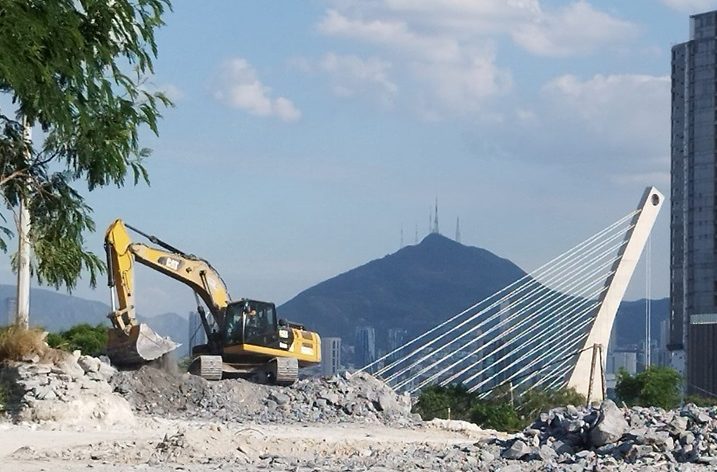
(610, 426)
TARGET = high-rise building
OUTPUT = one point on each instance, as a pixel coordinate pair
(396, 338)
(196, 331)
(330, 355)
(11, 309)
(693, 267)
(365, 346)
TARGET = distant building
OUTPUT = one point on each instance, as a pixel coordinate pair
(10, 309)
(196, 331)
(663, 354)
(397, 337)
(365, 346)
(626, 360)
(330, 356)
(693, 228)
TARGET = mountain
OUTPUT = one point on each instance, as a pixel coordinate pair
(419, 286)
(57, 311)
(414, 289)
(629, 327)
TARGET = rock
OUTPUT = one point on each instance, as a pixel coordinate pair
(698, 416)
(44, 393)
(517, 450)
(486, 457)
(32, 358)
(331, 397)
(89, 364)
(388, 404)
(709, 460)
(637, 452)
(279, 398)
(610, 426)
(547, 453)
(562, 447)
(687, 437)
(70, 367)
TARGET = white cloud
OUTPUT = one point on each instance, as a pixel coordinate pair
(619, 122)
(452, 76)
(351, 75)
(621, 108)
(394, 34)
(448, 46)
(465, 85)
(575, 29)
(691, 6)
(239, 87)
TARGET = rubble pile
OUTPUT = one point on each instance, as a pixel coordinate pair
(607, 436)
(72, 389)
(357, 397)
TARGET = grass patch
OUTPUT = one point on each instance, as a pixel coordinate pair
(18, 343)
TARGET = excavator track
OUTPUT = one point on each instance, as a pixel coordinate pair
(285, 370)
(207, 367)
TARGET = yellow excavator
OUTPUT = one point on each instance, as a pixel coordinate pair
(244, 338)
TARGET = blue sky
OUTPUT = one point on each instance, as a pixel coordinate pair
(307, 134)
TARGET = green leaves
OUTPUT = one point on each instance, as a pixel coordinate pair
(656, 386)
(501, 410)
(76, 69)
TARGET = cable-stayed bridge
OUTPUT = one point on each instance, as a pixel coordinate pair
(549, 329)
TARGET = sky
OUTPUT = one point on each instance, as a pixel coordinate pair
(307, 136)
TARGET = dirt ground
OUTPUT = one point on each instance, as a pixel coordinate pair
(160, 444)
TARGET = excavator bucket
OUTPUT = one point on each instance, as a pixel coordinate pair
(140, 346)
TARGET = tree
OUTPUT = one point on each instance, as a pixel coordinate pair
(435, 401)
(655, 386)
(76, 69)
(90, 340)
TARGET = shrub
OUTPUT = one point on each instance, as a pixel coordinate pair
(501, 410)
(90, 340)
(435, 401)
(17, 342)
(699, 400)
(500, 416)
(656, 386)
(533, 402)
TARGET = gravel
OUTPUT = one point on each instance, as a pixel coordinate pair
(609, 438)
(344, 398)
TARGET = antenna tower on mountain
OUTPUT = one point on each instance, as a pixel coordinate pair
(435, 220)
(458, 229)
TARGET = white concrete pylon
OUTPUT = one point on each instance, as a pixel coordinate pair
(617, 284)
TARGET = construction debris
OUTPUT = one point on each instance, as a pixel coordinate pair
(73, 389)
(608, 437)
(357, 397)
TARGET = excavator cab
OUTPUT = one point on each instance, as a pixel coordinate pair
(251, 322)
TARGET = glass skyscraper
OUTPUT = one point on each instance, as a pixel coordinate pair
(693, 272)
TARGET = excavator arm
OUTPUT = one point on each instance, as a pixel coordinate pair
(131, 342)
